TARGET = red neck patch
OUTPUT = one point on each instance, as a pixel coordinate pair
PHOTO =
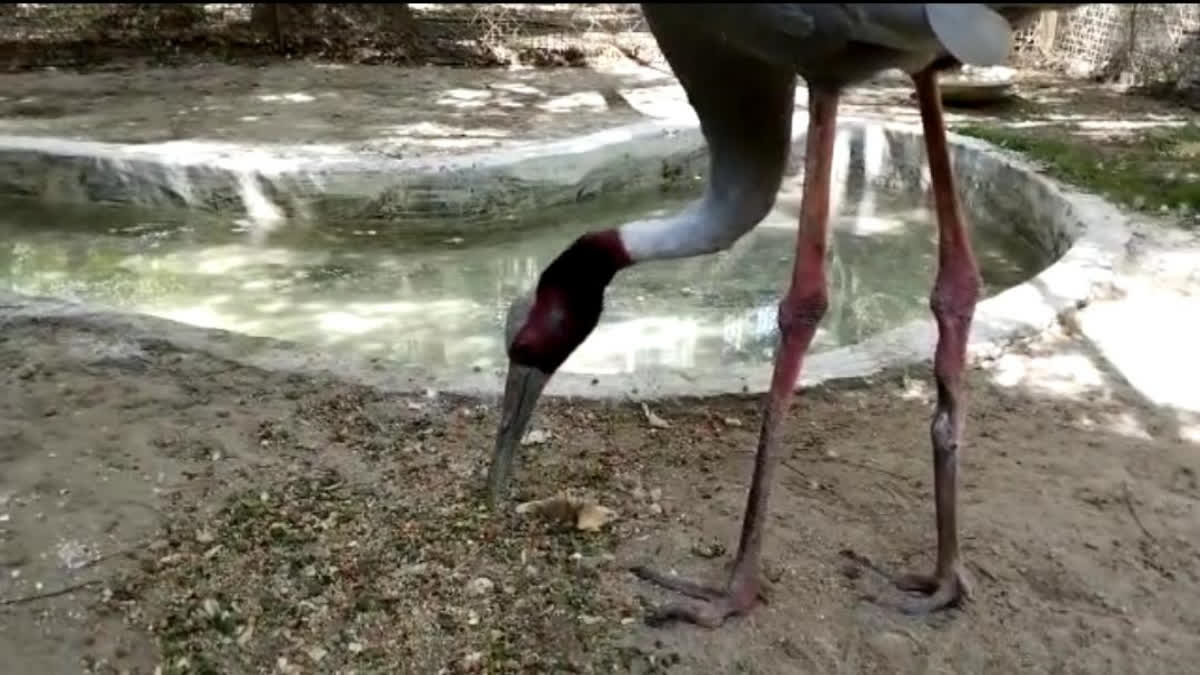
(569, 300)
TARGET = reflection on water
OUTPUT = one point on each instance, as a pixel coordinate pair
(440, 301)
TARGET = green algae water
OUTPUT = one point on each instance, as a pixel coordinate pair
(397, 292)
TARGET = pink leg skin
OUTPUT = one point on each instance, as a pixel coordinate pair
(799, 314)
(953, 303)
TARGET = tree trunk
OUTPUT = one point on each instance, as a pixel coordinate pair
(278, 21)
(399, 19)
(264, 20)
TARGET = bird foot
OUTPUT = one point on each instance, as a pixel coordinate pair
(714, 607)
(948, 590)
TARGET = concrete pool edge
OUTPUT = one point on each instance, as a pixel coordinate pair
(1097, 230)
(267, 183)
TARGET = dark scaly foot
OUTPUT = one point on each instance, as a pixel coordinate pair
(955, 292)
(714, 607)
(950, 590)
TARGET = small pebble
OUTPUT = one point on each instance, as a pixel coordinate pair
(481, 586)
(472, 662)
(211, 607)
(709, 550)
(244, 635)
(654, 420)
(893, 646)
(415, 569)
(535, 437)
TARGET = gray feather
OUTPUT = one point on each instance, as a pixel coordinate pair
(972, 33)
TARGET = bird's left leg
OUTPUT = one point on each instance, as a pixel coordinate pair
(953, 303)
(799, 314)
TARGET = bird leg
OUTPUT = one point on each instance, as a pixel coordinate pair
(799, 313)
(953, 304)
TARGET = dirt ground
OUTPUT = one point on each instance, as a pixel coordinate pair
(215, 518)
(397, 112)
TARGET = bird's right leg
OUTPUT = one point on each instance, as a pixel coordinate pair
(799, 314)
(953, 303)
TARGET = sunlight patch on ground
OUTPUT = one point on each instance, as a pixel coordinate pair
(465, 98)
(1151, 340)
(916, 390)
(1065, 374)
(294, 97)
(588, 100)
(440, 136)
(666, 102)
(1068, 373)
(1189, 425)
(1123, 423)
(420, 130)
(1097, 128)
(518, 88)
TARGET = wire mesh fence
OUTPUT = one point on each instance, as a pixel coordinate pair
(1137, 43)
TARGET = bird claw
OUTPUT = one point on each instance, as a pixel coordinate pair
(714, 607)
(951, 590)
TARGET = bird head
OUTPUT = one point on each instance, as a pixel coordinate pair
(542, 329)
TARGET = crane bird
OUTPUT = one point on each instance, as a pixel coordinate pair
(738, 64)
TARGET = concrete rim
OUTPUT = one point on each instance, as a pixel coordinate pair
(1100, 234)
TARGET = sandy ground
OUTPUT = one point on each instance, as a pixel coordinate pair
(177, 486)
(405, 112)
(384, 109)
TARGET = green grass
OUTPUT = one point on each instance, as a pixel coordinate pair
(1155, 171)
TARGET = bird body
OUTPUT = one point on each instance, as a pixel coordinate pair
(738, 64)
(836, 45)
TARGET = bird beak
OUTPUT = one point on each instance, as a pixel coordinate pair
(521, 393)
